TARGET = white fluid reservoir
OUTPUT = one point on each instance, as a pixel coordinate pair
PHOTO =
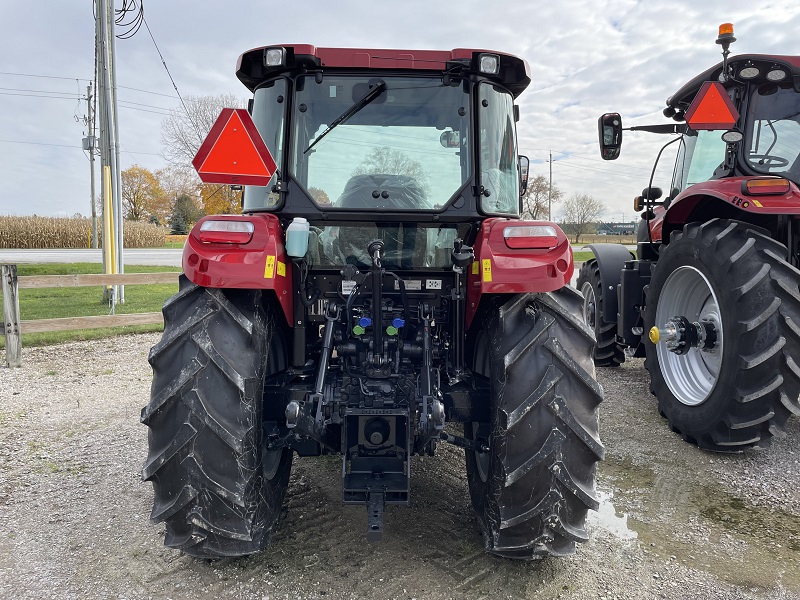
(297, 237)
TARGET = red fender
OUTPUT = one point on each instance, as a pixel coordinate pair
(727, 190)
(499, 269)
(260, 263)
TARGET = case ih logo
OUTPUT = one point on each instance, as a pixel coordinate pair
(712, 109)
(234, 152)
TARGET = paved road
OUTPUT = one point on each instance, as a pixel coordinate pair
(170, 257)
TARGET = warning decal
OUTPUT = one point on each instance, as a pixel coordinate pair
(281, 269)
(487, 269)
(269, 269)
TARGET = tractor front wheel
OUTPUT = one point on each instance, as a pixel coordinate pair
(532, 487)
(722, 311)
(217, 489)
(607, 352)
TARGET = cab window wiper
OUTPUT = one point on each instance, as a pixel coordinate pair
(357, 106)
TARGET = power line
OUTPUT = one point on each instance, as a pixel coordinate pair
(43, 76)
(166, 110)
(166, 68)
(124, 87)
(147, 91)
(64, 96)
(40, 144)
(68, 146)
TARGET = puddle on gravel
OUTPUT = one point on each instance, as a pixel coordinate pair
(701, 525)
(609, 518)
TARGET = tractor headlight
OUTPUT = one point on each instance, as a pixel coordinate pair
(776, 75)
(489, 64)
(274, 57)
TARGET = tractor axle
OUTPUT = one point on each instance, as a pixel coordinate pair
(681, 335)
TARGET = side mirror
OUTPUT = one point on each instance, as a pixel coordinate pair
(610, 132)
(652, 193)
(524, 164)
(450, 139)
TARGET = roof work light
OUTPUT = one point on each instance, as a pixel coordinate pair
(489, 64)
(274, 57)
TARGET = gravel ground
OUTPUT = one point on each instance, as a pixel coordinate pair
(675, 522)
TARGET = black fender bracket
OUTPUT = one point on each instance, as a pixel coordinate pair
(611, 259)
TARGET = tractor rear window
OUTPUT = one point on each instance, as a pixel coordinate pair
(380, 143)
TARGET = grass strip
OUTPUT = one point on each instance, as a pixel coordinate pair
(51, 303)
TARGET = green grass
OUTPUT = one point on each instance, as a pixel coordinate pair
(584, 255)
(52, 303)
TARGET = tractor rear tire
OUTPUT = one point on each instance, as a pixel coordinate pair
(533, 487)
(217, 489)
(739, 393)
(607, 352)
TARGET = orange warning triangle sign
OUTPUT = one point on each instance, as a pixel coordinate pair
(712, 108)
(233, 152)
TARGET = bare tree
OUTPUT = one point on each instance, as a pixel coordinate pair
(183, 131)
(581, 211)
(388, 161)
(535, 200)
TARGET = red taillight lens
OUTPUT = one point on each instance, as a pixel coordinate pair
(226, 232)
(530, 237)
(765, 187)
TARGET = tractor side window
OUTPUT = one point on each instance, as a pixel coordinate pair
(679, 174)
(773, 141)
(704, 156)
(498, 151)
(269, 111)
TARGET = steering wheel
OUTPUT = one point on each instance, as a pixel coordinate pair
(769, 160)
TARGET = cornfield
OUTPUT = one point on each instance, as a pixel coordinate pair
(58, 232)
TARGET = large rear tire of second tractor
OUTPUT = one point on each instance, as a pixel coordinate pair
(217, 489)
(738, 390)
(533, 487)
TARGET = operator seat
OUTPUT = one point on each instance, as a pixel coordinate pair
(379, 193)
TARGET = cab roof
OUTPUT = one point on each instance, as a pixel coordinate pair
(514, 72)
(765, 62)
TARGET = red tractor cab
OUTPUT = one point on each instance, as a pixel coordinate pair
(378, 286)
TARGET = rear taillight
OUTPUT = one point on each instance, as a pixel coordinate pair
(530, 237)
(225, 232)
(765, 186)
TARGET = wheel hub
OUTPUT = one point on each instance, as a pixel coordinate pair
(681, 335)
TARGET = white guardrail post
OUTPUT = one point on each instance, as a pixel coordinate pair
(11, 316)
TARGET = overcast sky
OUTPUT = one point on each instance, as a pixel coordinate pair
(586, 56)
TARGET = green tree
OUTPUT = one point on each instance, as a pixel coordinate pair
(178, 224)
(185, 213)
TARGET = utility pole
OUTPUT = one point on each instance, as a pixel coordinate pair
(109, 146)
(90, 146)
(550, 191)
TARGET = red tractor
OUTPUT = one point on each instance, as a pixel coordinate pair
(712, 299)
(380, 286)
